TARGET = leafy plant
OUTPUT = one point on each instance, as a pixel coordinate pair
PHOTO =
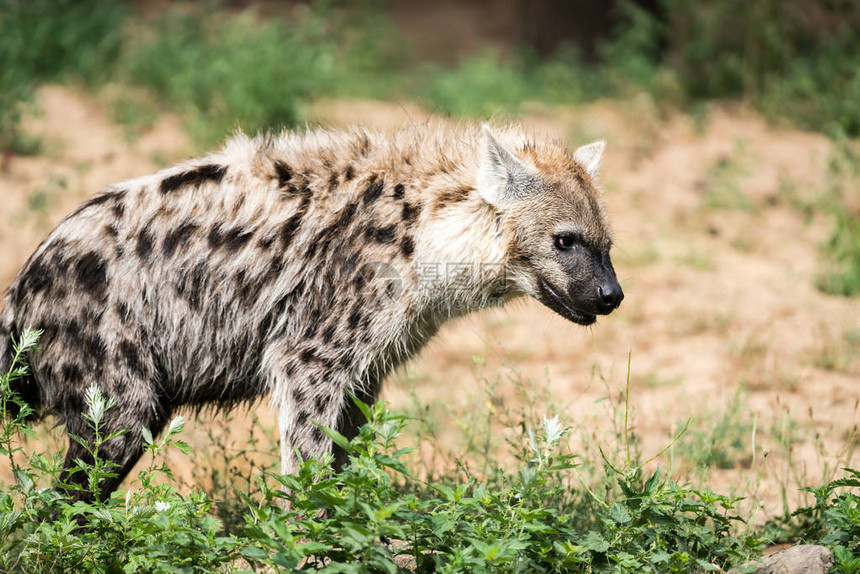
(834, 520)
(841, 251)
(44, 40)
(151, 528)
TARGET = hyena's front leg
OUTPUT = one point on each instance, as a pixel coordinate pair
(351, 418)
(303, 405)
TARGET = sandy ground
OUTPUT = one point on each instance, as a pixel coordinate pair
(721, 314)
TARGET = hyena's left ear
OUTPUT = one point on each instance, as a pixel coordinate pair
(501, 174)
(590, 156)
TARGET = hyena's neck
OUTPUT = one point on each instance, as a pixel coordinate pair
(462, 263)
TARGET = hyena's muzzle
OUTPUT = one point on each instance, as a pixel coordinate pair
(592, 289)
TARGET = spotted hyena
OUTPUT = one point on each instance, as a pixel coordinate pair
(306, 266)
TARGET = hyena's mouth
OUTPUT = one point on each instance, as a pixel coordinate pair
(551, 298)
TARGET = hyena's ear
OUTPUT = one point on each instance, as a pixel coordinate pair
(500, 171)
(590, 156)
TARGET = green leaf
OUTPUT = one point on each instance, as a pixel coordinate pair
(22, 477)
(254, 553)
(103, 513)
(651, 483)
(336, 438)
(595, 542)
(619, 514)
(312, 547)
(362, 406)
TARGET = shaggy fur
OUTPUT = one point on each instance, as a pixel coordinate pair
(306, 266)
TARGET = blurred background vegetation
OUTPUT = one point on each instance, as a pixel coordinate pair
(256, 64)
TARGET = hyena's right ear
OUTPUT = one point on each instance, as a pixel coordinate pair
(500, 171)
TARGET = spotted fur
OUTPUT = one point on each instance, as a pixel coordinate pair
(296, 266)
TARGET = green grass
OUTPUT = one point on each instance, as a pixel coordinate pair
(840, 270)
(52, 40)
(226, 69)
(537, 507)
(722, 185)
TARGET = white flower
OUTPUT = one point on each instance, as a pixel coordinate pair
(162, 506)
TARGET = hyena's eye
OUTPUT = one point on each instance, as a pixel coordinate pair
(565, 241)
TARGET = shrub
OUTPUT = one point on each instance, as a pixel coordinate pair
(373, 516)
(49, 40)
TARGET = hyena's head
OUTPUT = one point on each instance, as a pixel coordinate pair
(551, 206)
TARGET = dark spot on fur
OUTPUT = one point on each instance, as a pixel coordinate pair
(349, 174)
(321, 403)
(328, 334)
(369, 232)
(97, 348)
(111, 232)
(373, 190)
(289, 229)
(72, 330)
(116, 196)
(410, 212)
(399, 191)
(318, 435)
(209, 172)
(236, 238)
(455, 195)
(302, 419)
(392, 289)
(144, 243)
(298, 395)
(452, 196)
(312, 249)
(311, 331)
(38, 277)
(122, 311)
(178, 237)
(307, 355)
(407, 246)
(128, 352)
(216, 237)
(332, 182)
(190, 285)
(91, 273)
(385, 234)
(265, 243)
(284, 174)
(290, 369)
(198, 278)
(354, 319)
(72, 373)
(93, 316)
(347, 215)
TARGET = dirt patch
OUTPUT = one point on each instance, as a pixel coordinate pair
(721, 314)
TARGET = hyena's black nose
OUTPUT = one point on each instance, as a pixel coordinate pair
(609, 296)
